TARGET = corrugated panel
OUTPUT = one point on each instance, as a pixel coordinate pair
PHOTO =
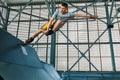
(38, 2)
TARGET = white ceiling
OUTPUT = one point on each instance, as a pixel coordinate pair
(22, 1)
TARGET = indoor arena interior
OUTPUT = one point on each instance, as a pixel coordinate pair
(83, 48)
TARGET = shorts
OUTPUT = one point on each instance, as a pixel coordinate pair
(44, 27)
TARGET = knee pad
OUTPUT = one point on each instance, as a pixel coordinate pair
(50, 32)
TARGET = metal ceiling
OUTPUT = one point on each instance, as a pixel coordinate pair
(38, 2)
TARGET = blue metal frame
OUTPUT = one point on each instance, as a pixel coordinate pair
(110, 34)
(53, 37)
(20, 11)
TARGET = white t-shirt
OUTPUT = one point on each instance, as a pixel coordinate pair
(64, 17)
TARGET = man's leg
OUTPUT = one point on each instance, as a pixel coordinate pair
(33, 37)
(56, 26)
(36, 34)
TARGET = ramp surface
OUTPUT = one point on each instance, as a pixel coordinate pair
(19, 62)
(12, 51)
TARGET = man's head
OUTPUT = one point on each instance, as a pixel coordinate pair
(64, 8)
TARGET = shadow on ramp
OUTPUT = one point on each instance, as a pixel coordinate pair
(19, 62)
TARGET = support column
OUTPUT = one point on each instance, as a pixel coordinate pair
(53, 49)
(53, 41)
(53, 36)
(110, 25)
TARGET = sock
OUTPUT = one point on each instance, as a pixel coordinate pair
(30, 39)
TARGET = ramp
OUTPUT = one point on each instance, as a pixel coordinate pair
(19, 62)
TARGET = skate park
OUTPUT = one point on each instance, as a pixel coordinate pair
(83, 49)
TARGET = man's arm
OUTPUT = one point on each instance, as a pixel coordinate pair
(86, 16)
(50, 23)
(52, 19)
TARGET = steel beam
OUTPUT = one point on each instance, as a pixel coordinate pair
(20, 11)
(110, 36)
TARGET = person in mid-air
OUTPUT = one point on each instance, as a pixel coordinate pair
(57, 20)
